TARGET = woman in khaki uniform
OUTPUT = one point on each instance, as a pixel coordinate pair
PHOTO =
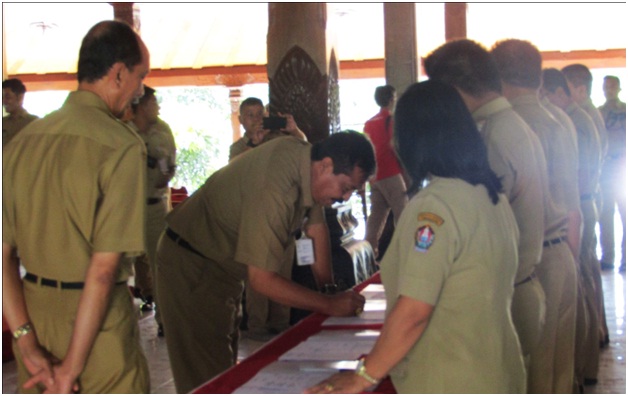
(450, 268)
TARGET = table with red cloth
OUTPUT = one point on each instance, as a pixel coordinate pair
(242, 372)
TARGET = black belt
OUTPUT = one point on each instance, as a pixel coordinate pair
(152, 201)
(58, 284)
(182, 242)
(554, 241)
(526, 280)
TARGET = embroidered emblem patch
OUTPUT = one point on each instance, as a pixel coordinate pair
(424, 239)
(431, 217)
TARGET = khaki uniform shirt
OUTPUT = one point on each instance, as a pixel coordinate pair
(589, 150)
(455, 250)
(562, 162)
(12, 124)
(160, 146)
(516, 157)
(596, 116)
(73, 184)
(239, 147)
(614, 113)
(246, 212)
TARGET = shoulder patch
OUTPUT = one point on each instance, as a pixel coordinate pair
(431, 217)
(424, 239)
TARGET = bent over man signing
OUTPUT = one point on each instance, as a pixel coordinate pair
(238, 225)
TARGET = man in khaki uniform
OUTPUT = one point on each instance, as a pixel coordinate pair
(73, 205)
(613, 179)
(160, 170)
(580, 82)
(516, 156)
(266, 318)
(556, 90)
(552, 367)
(220, 236)
(13, 91)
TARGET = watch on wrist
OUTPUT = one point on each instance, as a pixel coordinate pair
(329, 288)
(22, 331)
(360, 370)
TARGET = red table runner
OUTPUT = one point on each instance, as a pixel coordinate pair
(242, 372)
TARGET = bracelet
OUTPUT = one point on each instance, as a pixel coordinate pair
(360, 370)
(22, 331)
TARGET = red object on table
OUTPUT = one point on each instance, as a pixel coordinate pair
(242, 372)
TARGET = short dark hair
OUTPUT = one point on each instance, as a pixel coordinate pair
(384, 94)
(519, 63)
(554, 79)
(436, 135)
(107, 43)
(578, 75)
(613, 78)
(347, 149)
(466, 65)
(15, 85)
(251, 102)
(148, 92)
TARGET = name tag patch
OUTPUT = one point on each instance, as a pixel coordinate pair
(424, 239)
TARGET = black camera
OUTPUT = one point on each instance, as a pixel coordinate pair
(274, 122)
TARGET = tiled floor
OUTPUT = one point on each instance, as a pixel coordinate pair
(611, 379)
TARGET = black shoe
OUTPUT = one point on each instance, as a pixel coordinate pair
(135, 291)
(160, 330)
(606, 266)
(147, 307)
(590, 381)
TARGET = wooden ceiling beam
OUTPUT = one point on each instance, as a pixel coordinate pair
(248, 74)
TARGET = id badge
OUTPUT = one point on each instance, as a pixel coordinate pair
(305, 251)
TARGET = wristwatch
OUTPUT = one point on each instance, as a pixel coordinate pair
(22, 331)
(329, 288)
(360, 370)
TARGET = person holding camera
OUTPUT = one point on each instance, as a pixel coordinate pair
(258, 128)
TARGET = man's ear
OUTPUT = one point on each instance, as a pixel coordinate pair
(328, 164)
(116, 73)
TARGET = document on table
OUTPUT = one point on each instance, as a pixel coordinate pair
(292, 377)
(374, 309)
(333, 346)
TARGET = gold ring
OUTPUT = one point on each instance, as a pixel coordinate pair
(358, 311)
(329, 387)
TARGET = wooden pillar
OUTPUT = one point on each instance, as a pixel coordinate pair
(303, 67)
(400, 45)
(455, 21)
(234, 99)
(127, 12)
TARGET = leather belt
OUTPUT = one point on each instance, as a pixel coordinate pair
(58, 284)
(153, 201)
(182, 242)
(526, 280)
(554, 241)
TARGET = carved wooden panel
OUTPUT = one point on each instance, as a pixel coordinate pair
(299, 88)
(333, 95)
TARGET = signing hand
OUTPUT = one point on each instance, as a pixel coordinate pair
(348, 303)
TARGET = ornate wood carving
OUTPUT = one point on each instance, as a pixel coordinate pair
(333, 95)
(299, 88)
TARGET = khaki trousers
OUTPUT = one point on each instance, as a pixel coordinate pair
(116, 363)
(200, 309)
(592, 281)
(528, 315)
(552, 361)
